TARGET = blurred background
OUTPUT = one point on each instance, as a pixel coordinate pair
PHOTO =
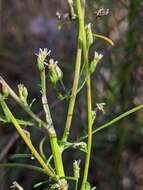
(117, 153)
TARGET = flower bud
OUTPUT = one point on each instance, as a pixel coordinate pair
(4, 90)
(23, 93)
(94, 62)
(89, 35)
(55, 73)
(76, 169)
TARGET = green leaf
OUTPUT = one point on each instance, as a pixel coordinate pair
(32, 102)
(4, 119)
(20, 156)
(26, 166)
(40, 183)
(104, 38)
(49, 159)
(116, 119)
(23, 122)
(41, 149)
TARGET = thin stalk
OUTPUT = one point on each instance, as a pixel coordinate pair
(76, 184)
(75, 84)
(113, 121)
(26, 140)
(57, 153)
(81, 9)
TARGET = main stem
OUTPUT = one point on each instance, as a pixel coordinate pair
(75, 84)
(81, 10)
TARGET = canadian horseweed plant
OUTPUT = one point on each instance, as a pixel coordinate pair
(55, 171)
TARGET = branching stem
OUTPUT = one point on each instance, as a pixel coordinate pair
(26, 139)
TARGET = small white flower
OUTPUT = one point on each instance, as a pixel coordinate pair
(43, 54)
(97, 55)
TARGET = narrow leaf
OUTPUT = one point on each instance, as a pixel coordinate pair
(104, 38)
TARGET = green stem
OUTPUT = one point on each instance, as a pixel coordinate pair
(75, 84)
(27, 140)
(118, 118)
(76, 184)
(57, 153)
(89, 98)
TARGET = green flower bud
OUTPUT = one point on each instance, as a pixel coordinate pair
(23, 93)
(89, 35)
(41, 58)
(55, 73)
(76, 169)
(4, 90)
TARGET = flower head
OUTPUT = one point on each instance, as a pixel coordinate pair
(43, 54)
(41, 57)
